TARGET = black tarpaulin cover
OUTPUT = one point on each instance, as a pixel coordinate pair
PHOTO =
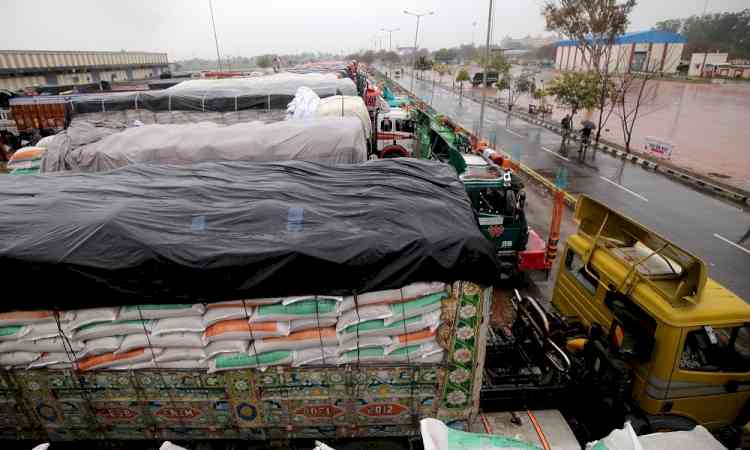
(220, 231)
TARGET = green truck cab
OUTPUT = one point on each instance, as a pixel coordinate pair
(498, 198)
(496, 193)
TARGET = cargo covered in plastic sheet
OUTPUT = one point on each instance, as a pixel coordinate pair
(223, 231)
(333, 140)
(223, 95)
(241, 301)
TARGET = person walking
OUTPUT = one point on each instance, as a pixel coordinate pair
(565, 125)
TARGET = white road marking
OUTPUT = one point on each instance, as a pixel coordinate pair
(513, 132)
(555, 154)
(624, 188)
(718, 236)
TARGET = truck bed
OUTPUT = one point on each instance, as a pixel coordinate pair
(356, 400)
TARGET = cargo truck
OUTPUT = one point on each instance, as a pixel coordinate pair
(637, 332)
(231, 231)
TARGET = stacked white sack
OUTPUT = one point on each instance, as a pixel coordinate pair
(393, 326)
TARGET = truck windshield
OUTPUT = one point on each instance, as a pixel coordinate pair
(491, 201)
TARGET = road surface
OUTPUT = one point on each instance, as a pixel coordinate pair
(716, 231)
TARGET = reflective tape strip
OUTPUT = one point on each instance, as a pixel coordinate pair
(659, 389)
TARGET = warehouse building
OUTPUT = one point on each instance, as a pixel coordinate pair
(646, 51)
(30, 68)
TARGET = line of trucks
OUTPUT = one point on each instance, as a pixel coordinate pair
(263, 298)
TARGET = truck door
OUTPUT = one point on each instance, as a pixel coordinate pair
(711, 381)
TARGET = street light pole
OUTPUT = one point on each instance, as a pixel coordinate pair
(216, 39)
(416, 34)
(390, 36)
(484, 75)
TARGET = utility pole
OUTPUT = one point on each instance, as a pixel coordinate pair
(473, 30)
(416, 34)
(216, 39)
(484, 75)
(390, 36)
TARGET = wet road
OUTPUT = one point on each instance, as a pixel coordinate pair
(710, 228)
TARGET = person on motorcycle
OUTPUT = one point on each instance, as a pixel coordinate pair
(588, 127)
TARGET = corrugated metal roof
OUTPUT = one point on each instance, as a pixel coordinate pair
(639, 37)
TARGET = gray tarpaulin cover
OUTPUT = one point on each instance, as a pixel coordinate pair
(229, 94)
(325, 139)
(151, 233)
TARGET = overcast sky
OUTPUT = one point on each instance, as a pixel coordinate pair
(182, 28)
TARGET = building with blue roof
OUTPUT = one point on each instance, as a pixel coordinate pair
(644, 51)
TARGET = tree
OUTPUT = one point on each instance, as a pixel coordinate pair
(441, 69)
(463, 75)
(513, 87)
(445, 55)
(724, 32)
(510, 86)
(670, 25)
(467, 52)
(503, 83)
(540, 95)
(496, 63)
(524, 84)
(423, 63)
(576, 90)
(593, 25)
(264, 61)
(546, 52)
(635, 96)
(367, 57)
(391, 57)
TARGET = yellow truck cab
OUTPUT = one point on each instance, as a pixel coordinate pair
(684, 338)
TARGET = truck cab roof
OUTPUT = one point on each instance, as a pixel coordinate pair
(480, 174)
(668, 281)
